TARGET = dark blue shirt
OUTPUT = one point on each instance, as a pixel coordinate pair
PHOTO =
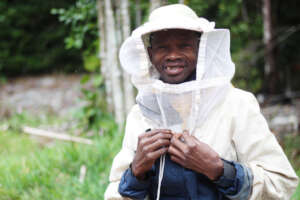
(181, 183)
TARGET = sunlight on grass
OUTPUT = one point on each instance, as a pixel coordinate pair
(296, 195)
(31, 171)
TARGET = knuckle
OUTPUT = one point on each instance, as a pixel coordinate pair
(140, 137)
(193, 146)
(145, 149)
(215, 157)
(148, 157)
(159, 135)
(172, 141)
(186, 151)
(172, 158)
(142, 142)
(160, 141)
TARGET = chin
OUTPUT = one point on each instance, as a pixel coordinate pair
(174, 80)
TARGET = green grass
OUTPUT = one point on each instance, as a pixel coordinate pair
(296, 195)
(30, 171)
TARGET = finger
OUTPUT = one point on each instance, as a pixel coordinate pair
(156, 131)
(198, 141)
(146, 140)
(178, 144)
(157, 145)
(156, 154)
(177, 135)
(177, 160)
(173, 151)
(189, 140)
(156, 137)
(192, 145)
(164, 135)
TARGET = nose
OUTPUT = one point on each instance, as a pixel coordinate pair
(173, 54)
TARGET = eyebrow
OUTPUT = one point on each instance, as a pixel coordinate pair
(151, 36)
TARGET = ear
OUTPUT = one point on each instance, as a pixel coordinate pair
(149, 49)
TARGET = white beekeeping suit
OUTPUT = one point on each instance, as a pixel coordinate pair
(189, 105)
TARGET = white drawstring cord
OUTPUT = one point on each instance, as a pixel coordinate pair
(161, 174)
(162, 157)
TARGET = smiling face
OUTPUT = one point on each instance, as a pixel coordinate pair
(174, 52)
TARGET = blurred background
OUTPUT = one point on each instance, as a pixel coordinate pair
(64, 97)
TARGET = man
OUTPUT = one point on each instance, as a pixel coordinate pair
(192, 135)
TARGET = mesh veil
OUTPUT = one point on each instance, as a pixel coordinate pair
(181, 106)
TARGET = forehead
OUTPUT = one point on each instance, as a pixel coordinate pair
(174, 34)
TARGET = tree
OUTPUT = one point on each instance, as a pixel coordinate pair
(155, 4)
(128, 88)
(112, 68)
(114, 28)
(269, 69)
(138, 13)
(102, 54)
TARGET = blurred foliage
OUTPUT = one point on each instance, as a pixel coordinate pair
(296, 195)
(32, 39)
(3, 80)
(287, 40)
(81, 18)
(291, 146)
(244, 19)
(93, 115)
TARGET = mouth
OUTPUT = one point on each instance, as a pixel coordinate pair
(173, 70)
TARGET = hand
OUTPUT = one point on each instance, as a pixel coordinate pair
(193, 154)
(151, 145)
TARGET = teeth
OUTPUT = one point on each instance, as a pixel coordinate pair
(169, 68)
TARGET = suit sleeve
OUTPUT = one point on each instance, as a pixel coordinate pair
(131, 187)
(258, 150)
(134, 126)
(236, 182)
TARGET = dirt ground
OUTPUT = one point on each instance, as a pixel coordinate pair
(49, 93)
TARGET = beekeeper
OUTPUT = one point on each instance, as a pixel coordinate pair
(192, 135)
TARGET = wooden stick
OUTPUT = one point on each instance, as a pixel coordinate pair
(82, 173)
(59, 136)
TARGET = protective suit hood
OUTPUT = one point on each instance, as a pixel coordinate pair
(186, 105)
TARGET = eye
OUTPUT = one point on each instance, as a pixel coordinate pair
(161, 47)
(185, 46)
